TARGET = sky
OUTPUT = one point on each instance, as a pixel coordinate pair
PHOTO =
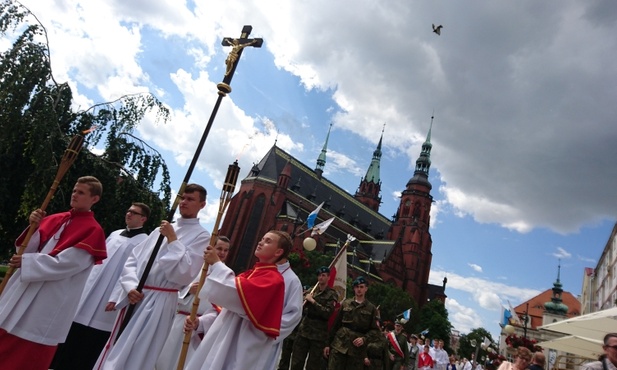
(523, 96)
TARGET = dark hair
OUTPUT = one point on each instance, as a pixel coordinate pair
(191, 188)
(223, 238)
(609, 336)
(95, 186)
(145, 210)
(538, 358)
(285, 242)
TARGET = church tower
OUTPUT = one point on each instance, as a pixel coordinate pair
(556, 306)
(411, 257)
(321, 160)
(370, 185)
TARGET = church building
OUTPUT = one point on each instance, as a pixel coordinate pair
(280, 192)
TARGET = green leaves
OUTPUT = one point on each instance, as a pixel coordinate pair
(37, 123)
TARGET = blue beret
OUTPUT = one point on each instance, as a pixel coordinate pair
(323, 269)
(359, 280)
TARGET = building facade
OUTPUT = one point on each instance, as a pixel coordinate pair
(280, 192)
(600, 287)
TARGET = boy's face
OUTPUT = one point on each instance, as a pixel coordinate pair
(191, 204)
(81, 199)
(222, 249)
(268, 250)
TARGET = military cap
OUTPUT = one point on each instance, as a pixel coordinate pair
(323, 270)
(359, 280)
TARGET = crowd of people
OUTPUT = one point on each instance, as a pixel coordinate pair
(75, 302)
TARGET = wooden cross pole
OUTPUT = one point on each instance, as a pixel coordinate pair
(224, 89)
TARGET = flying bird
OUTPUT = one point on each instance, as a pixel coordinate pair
(437, 29)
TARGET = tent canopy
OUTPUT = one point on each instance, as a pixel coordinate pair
(581, 346)
(593, 326)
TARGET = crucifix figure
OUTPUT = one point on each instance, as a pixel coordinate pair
(237, 46)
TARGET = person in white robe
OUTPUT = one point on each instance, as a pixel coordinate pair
(177, 263)
(39, 301)
(292, 314)
(168, 359)
(92, 324)
(238, 339)
(441, 355)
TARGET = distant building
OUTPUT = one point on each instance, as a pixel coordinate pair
(550, 306)
(279, 192)
(588, 295)
(600, 283)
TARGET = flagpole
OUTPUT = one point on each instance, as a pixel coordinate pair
(336, 258)
(232, 61)
(228, 188)
(68, 158)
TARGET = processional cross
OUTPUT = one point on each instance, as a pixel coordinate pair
(237, 45)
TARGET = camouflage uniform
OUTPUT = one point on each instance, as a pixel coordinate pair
(398, 360)
(377, 351)
(354, 320)
(313, 331)
(288, 344)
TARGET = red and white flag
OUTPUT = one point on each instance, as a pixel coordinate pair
(338, 278)
(338, 275)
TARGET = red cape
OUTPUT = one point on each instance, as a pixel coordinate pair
(262, 293)
(81, 232)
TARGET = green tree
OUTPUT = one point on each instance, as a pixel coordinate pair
(434, 317)
(37, 123)
(465, 347)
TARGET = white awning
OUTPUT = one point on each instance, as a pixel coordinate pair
(576, 345)
(593, 326)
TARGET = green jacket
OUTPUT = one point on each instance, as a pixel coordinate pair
(314, 324)
(354, 320)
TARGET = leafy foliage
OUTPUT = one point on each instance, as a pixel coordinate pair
(434, 316)
(466, 349)
(37, 123)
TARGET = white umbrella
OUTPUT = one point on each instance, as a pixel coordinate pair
(594, 325)
(576, 345)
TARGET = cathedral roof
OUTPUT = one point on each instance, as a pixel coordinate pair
(312, 190)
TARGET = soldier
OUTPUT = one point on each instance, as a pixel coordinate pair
(313, 329)
(377, 351)
(347, 339)
(397, 347)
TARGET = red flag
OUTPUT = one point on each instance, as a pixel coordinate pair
(338, 281)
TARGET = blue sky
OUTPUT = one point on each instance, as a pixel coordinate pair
(523, 95)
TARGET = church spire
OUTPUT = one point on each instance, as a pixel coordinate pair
(372, 174)
(556, 305)
(321, 160)
(423, 163)
(370, 185)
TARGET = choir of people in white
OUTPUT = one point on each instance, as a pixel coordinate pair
(242, 319)
(433, 356)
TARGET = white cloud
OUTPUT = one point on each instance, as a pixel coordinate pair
(586, 259)
(488, 294)
(461, 317)
(562, 253)
(475, 267)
